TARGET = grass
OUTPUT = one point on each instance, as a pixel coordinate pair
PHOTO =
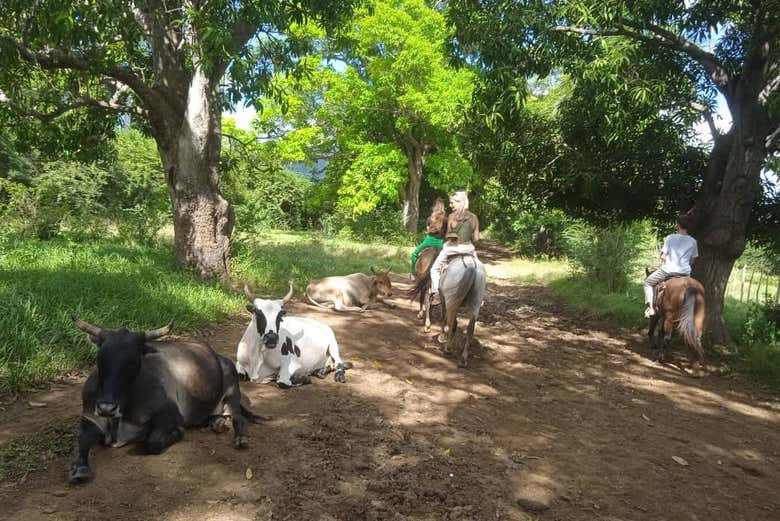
(113, 284)
(25, 454)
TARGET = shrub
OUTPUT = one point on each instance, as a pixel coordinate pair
(609, 256)
(140, 203)
(536, 233)
(761, 341)
(65, 195)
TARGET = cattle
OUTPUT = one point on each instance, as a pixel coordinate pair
(288, 349)
(350, 292)
(148, 391)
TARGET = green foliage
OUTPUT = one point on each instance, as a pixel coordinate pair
(264, 193)
(397, 99)
(65, 196)
(760, 342)
(375, 177)
(535, 232)
(137, 193)
(609, 256)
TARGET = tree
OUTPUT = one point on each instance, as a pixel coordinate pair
(743, 66)
(391, 118)
(164, 62)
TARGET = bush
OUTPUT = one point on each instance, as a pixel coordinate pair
(381, 224)
(609, 256)
(66, 195)
(140, 203)
(534, 233)
(761, 341)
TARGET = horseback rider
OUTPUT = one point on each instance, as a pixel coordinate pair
(678, 254)
(436, 227)
(462, 233)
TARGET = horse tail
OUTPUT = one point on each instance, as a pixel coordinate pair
(420, 286)
(690, 319)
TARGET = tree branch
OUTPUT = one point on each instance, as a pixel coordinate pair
(773, 141)
(48, 117)
(705, 111)
(59, 59)
(772, 87)
(662, 37)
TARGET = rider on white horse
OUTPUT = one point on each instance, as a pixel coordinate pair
(462, 233)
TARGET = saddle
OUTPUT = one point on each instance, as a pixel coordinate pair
(468, 260)
(660, 289)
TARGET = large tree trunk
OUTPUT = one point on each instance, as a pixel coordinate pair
(415, 154)
(731, 186)
(202, 218)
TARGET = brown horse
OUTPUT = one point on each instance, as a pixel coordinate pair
(680, 301)
(422, 284)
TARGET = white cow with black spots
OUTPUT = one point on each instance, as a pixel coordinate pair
(290, 349)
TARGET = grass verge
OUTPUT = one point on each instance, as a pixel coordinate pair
(114, 284)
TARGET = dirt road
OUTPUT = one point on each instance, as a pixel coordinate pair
(559, 417)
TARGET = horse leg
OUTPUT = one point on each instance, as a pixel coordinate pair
(651, 328)
(668, 328)
(464, 355)
(427, 312)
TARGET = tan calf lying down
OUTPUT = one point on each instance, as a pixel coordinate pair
(350, 292)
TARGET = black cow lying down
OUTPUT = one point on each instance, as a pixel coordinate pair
(148, 391)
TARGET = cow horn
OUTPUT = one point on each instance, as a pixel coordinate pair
(248, 293)
(154, 334)
(86, 326)
(289, 295)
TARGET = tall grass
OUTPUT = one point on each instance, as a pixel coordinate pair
(113, 284)
(105, 282)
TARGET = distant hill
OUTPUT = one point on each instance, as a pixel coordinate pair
(313, 173)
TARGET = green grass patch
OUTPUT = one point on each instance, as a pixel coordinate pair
(626, 307)
(114, 284)
(523, 270)
(28, 453)
(269, 262)
(106, 282)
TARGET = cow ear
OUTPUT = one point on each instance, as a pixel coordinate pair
(250, 308)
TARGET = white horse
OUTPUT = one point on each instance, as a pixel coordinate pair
(462, 285)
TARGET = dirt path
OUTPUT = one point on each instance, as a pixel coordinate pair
(559, 417)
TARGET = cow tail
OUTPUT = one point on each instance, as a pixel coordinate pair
(314, 302)
(687, 319)
(252, 417)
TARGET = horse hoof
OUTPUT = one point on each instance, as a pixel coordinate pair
(420, 315)
(79, 474)
(442, 338)
(241, 442)
(463, 364)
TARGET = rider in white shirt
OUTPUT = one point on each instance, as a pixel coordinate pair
(678, 254)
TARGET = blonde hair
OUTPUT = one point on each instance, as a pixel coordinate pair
(462, 197)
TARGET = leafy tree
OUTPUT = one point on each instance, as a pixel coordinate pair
(389, 119)
(519, 38)
(165, 62)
